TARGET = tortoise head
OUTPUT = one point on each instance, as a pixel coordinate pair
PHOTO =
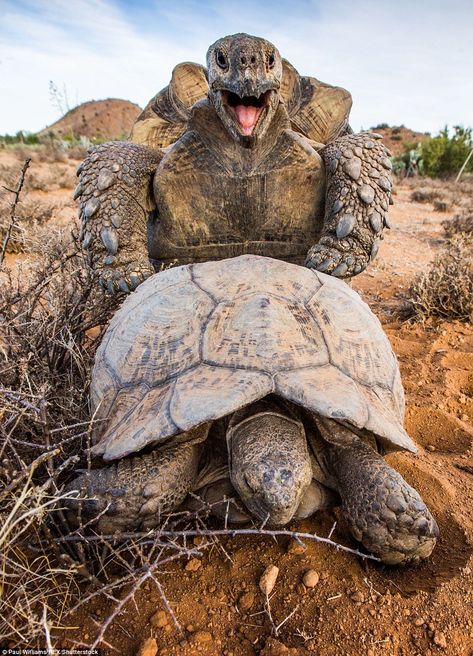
(244, 74)
(270, 467)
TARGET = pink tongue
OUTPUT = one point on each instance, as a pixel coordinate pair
(247, 117)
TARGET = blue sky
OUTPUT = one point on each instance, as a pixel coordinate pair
(404, 61)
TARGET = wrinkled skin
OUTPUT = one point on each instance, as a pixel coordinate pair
(240, 179)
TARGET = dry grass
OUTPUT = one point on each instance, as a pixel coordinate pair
(47, 310)
(461, 224)
(424, 195)
(445, 290)
(33, 211)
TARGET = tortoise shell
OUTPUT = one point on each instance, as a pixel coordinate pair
(197, 342)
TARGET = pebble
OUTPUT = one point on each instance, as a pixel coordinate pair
(268, 579)
(159, 619)
(310, 578)
(295, 547)
(246, 601)
(430, 447)
(440, 640)
(358, 597)
(193, 565)
(148, 648)
(202, 636)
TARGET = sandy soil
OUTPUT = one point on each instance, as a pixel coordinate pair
(357, 608)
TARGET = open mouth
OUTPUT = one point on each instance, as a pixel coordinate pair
(246, 110)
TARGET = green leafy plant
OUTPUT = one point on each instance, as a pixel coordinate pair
(444, 155)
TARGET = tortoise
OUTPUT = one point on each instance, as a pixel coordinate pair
(244, 156)
(255, 378)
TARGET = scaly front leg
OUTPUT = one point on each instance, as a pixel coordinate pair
(358, 195)
(115, 199)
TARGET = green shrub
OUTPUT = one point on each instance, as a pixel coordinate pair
(29, 138)
(444, 155)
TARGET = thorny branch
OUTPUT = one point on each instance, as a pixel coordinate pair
(13, 217)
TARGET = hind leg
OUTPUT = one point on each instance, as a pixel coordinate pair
(383, 511)
(134, 493)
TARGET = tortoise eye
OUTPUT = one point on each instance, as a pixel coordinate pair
(221, 59)
(271, 60)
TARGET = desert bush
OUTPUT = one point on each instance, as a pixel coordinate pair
(47, 310)
(446, 289)
(30, 214)
(444, 155)
(460, 224)
(424, 195)
(441, 205)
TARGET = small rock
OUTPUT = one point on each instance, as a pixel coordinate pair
(193, 565)
(440, 640)
(310, 578)
(419, 621)
(430, 447)
(268, 579)
(149, 647)
(246, 601)
(301, 589)
(295, 547)
(159, 619)
(202, 636)
(358, 597)
(274, 647)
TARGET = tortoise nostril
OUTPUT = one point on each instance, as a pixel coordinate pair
(253, 59)
(243, 60)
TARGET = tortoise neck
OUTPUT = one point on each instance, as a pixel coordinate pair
(207, 124)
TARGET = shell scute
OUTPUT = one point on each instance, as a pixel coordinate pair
(355, 340)
(158, 338)
(263, 332)
(139, 418)
(207, 393)
(234, 277)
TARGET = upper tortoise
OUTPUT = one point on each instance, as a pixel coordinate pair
(244, 156)
(256, 379)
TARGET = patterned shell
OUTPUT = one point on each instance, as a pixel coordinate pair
(197, 342)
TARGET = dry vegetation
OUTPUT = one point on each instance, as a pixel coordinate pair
(445, 290)
(51, 170)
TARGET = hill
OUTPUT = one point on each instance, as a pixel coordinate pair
(395, 138)
(104, 119)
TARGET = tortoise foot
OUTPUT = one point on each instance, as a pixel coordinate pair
(135, 493)
(383, 511)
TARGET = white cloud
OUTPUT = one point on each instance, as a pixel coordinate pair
(404, 62)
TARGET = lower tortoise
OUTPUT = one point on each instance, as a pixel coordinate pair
(258, 379)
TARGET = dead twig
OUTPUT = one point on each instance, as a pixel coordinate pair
(13, 217)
